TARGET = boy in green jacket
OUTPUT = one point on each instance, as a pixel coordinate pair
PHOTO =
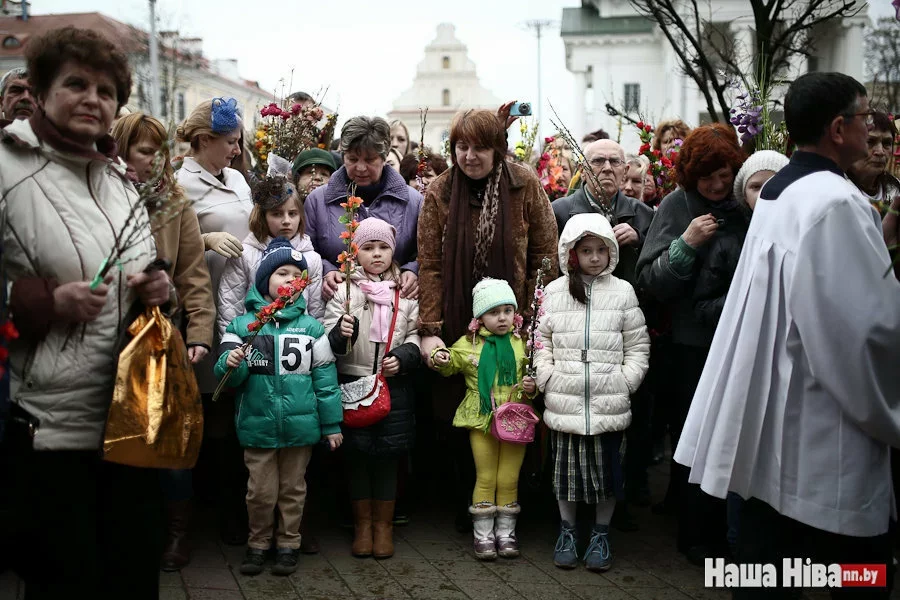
(288, 399)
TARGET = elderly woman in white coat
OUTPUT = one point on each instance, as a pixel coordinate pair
(593, 355)
(222, 202)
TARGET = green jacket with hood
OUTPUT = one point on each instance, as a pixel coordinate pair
(287, 388)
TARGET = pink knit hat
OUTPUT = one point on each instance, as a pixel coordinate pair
(375, 230)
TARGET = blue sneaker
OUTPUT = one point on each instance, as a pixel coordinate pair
(565, 555)
(598, 556)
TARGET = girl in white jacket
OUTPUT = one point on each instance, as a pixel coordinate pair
(277, 212)
(593, 354)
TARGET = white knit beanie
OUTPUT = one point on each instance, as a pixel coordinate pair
(491, 293)
(764, 160)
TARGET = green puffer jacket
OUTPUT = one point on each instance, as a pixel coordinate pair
(288, 394)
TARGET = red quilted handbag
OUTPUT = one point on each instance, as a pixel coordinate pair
(367, 400)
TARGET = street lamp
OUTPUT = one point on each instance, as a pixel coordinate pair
(538, 26)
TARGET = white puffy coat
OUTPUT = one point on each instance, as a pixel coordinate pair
(240, 274)
(595, 355)
(61, 213)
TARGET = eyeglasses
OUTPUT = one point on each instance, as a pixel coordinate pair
(869, 115)
(599, 161)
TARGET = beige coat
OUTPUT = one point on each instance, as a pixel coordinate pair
(365, 356)
(60, 217)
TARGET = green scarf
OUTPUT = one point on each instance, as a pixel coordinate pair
(497, 361)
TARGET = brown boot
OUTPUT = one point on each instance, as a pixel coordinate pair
(177, 553)
(362, 527)
(383, 524)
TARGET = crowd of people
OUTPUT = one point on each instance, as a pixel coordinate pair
(749, 315)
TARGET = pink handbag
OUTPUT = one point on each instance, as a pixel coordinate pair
(513, 422)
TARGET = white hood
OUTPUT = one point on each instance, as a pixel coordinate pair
(584, 224)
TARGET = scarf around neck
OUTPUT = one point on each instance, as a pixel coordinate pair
(381, 295)
(461, 243)
(498, 361)
(46, 130)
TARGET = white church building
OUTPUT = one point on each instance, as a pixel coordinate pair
(619, 57)
(445, 83)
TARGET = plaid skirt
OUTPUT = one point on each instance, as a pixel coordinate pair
(587, 468)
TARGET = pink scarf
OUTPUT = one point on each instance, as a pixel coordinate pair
(381, 295)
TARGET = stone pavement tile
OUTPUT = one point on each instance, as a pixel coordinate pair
(518, 571)
(464, 569)
(264, 582)
(572, 577)
(431, 589)
(627, 577)
(167, 593)
(209, 557)
(596, 592)
(443, 551)
(667, 593)
(203, 577)
(291, 595)
(424, 533)
(375, 587)
(543, 591)
(403, 549)
(409, 568)
(478, 589)
(320, 582)
(206, 594)
(685, 575)
(166, 580)
(348, 565)
(702, 593)
(315, 565)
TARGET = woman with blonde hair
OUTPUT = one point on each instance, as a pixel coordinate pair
(223, 202)
(139, 138)
(667, 132)
(400, 137)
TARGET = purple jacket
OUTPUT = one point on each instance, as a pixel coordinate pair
(398, 204)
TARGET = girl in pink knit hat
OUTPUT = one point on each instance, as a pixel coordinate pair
(372, 452)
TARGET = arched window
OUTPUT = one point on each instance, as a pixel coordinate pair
(446, 62)
(446, 98)
(11, 42)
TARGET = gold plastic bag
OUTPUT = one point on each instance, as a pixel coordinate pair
(156, 417)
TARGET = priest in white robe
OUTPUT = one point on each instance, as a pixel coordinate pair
(799, 401)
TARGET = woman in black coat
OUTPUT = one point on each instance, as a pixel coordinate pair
(701, 214)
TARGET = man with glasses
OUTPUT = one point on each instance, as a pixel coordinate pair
(16, 100)
(870, 174)
(631, 216)
(797, 407)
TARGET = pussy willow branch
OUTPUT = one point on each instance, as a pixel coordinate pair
(582, 162)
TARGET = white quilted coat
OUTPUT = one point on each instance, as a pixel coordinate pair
(60, 215)
(594, 355)
(240, 274)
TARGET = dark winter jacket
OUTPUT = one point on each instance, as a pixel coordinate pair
(668, 269)
(715, 275)
(288, 393)
(627, 210)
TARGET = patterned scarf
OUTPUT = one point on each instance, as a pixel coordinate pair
(498, 361)
(468, 256)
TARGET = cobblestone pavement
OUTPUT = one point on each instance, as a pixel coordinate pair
(433, 561)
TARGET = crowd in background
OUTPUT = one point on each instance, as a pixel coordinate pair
(639, 288)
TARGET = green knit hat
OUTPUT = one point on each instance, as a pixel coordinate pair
(490, 293)
(313, 156)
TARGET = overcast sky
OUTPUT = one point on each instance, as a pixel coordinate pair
(366, 51)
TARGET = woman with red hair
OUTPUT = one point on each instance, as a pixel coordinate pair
(691, 225)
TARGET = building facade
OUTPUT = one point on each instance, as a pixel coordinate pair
(187, 78)
(445, 82)
(621, 58)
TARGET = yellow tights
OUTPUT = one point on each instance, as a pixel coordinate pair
(497, 466)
